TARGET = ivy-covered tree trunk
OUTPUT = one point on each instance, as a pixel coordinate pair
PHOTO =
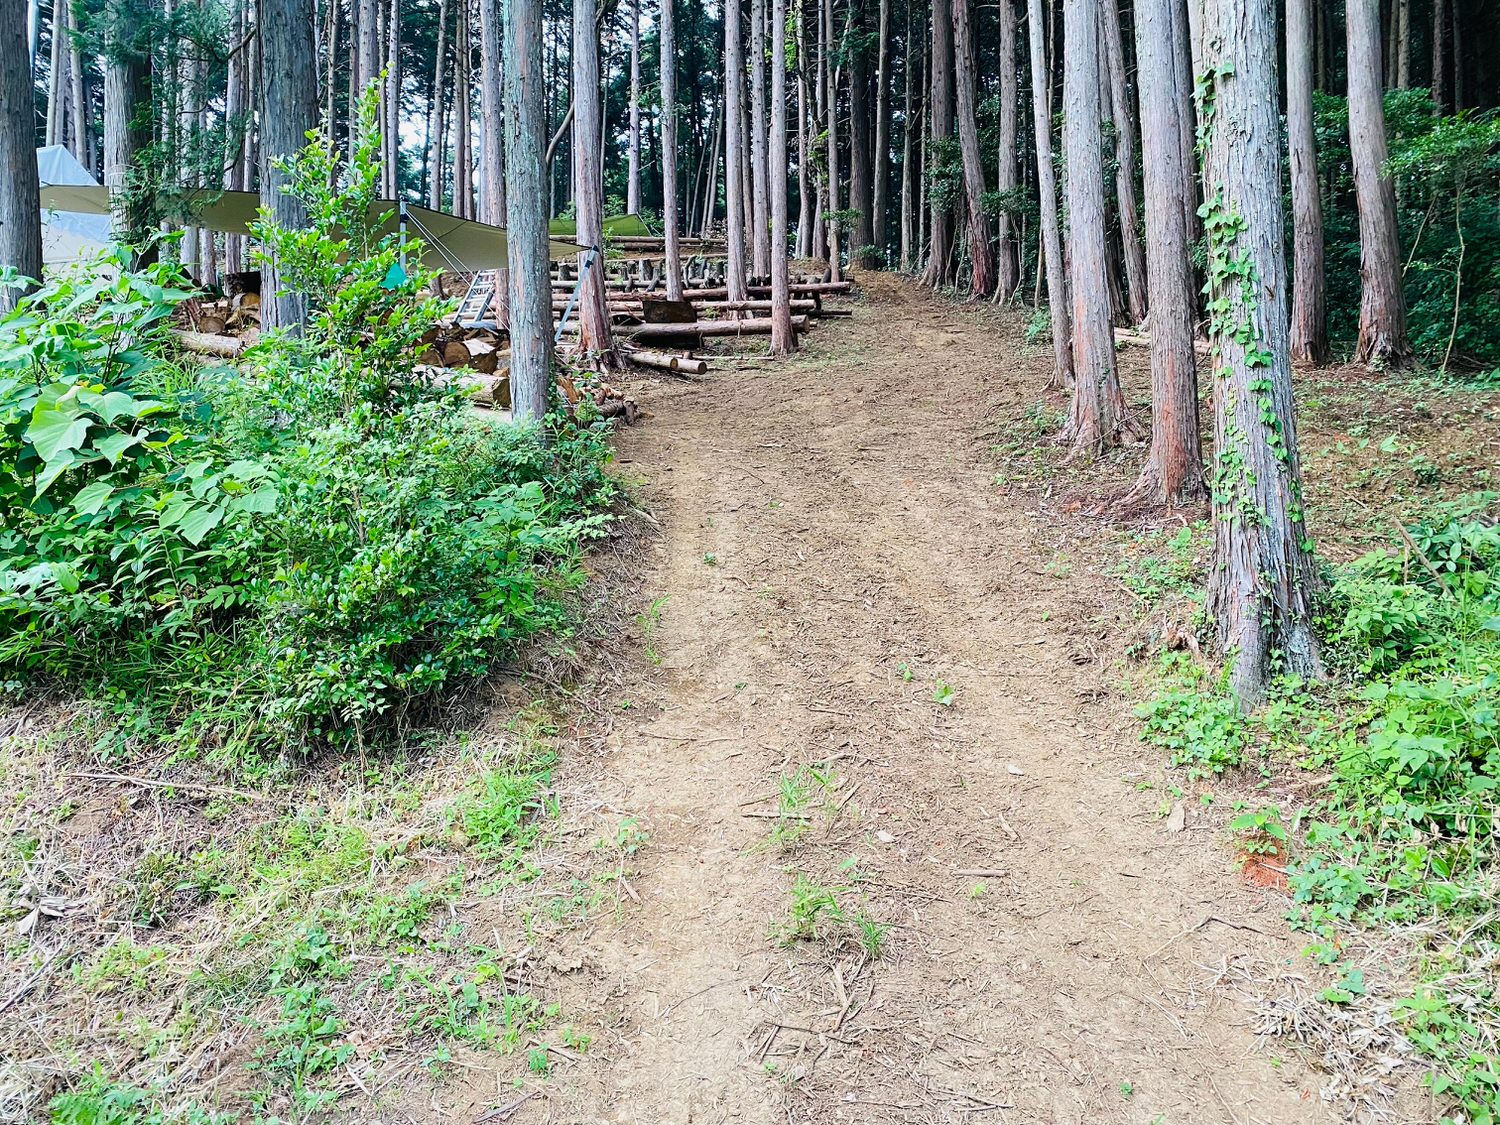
(1051, 240)
(1309, 325)
(1260, 592)
(1173, 473)
(1382, 306)
(289, 109)
(1097, 416)
(981, 259)
(526, 212)
(20, 203)
(783, 335)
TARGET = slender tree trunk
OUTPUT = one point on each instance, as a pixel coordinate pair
(463, 113)
(127, 123)
(939, 122)
(56, 87)
(1007, 264)
(1403, 44)
(1123, 115)
(393, 100)
(1187, 114)
(526, 212)
(367, 41)
(492, 111)
(20, 200)
(820, 171)
(236, 125)
(289, 109)
(437, 142)
(1309, 324)
(1173, 473)
(783, 335)
(329, 80)
(734, 153)
(1261, 586)
(1440, 54)
(1382, 309)
(804, 151)
(880, 201)
(759, 173)
(1098, 414)
(861, 196)
(831, 103)
(982, 276)
(669, 209)
(78, 129)
(633, 154)
(909, 155)
(1051, 240)
(711, 189)
(594, 333)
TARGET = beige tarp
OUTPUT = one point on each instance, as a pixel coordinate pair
(451, 243)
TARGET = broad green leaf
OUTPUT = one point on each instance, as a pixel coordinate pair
(91, 497)
(54, 431)
(114, 446)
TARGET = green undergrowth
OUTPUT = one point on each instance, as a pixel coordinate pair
(1395, 825)
(310, 550)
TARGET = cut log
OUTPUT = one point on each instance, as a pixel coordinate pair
(455, 354)
(665, 361)
(203, 343)
(756, 326)
(211, 325)
(663, 311)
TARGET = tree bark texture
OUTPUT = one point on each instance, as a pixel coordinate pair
(1261, 586)
(1007, 257)
(1173, 473)
(1046, 174)
(1122, 113)
(1098, 411)
(759, 173)
(289, 109)
(633, 153)
(1382, 307)
(880, 199)
(671, 219)
(1309, 323)
(734, 153)
(783, 335)
(492, 111)
(20, 201)
(982, 266)
(939, 120)
(526, 212)
(588, 179)
(831, 103)
(437, 143)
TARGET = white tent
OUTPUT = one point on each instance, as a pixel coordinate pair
(68, 236)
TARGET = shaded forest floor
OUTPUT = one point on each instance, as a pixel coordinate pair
(834, 810)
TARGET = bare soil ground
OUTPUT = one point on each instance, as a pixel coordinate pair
(834, 555)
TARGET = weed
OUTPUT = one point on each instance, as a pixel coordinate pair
(499, 817)
(942, 694)
(815, 913)
(650, 623)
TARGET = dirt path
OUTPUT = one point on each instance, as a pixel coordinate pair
(1056, 955)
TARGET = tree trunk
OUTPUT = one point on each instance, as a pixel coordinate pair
(56, 74)
(20, 201)
(1403, 44)
(1046, 174)
(1098, 413)
(862, 227)
(127, 126)
(734, 153)
(1123, 115)
(1173, 473)
(820, 172)
(289, 109)
(437, 143)
(1007, 263)
(831, 104)
(392, 123)
(759, 173)
(633, 155)
(909, 156)
(367, 60)
(236, 124)
(526, 212)
(1382, 307)
(783, 335)
(588, 182)
(1440, 55)
(492, 111)
(880, 200)
(669, 209)
(463, 119)
(1261, 587)
(804, 150)
(1309, 324)
(982, 275)
(939, 123)
(1187, 114)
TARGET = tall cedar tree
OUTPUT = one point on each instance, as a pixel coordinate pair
(759, 174)
(1051, 240)
(783, 336)
(982, 265)
(1382, 306)
(289, 109)
(1309, 325)
(734, 151)
(1007, 261)
(670, 214)
(1261, 586)
(594, 333)
(20, 204)
(1097, 417)
(1173, 473)
(526, 212)
(939, 122)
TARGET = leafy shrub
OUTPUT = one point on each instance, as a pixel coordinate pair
(298, 558)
